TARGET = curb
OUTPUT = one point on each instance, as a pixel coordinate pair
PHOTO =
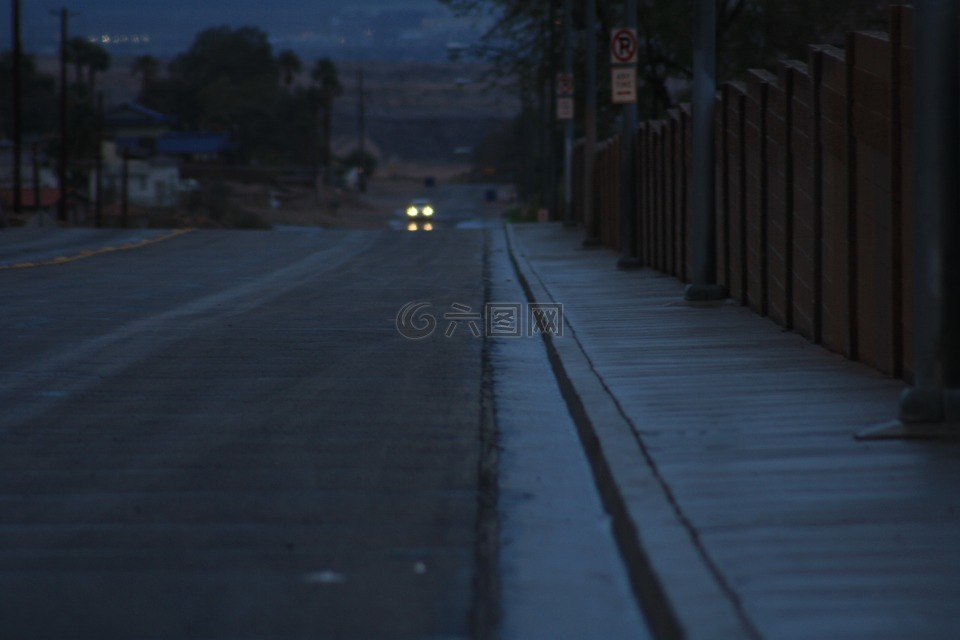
(675, 584)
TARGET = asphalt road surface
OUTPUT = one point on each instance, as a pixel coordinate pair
(224, 435)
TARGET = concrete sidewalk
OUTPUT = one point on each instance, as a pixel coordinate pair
(723, 448)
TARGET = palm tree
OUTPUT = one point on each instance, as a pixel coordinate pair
(289, 64)
(78, 51)
(324, 75)
(88, 55)
(98, 59)
(147, 67)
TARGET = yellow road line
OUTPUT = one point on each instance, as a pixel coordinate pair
(87, 253)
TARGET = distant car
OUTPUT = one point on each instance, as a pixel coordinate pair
(420, 208)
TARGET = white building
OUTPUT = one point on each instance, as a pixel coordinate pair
(151, 182)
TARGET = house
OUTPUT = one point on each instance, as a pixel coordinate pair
(136, 128)
(151, 182)
(45, 175)
(200, 146)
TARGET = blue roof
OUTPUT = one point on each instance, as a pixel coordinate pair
(133, 113)
(194, 142)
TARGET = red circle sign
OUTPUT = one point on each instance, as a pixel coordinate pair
(623, 45)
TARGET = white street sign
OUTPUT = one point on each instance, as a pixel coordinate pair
(624, 85)
(564, 108)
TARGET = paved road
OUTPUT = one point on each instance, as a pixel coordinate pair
(223, 435)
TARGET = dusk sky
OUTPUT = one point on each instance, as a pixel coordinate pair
(366, 28)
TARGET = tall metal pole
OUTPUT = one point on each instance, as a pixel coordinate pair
(591, 238)
(935, 131)
(62, 168)
(550, 199)
(17, 111)
(932, 407)
(362, 125)
(703, 228)
(628, 168)
(568, 125)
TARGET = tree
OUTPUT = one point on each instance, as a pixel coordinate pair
(88, 55)
(237, 56)
(227, 81)
(230, 80)
(289, 64)
(77, 48)
(752, 33)
(328, 87)
(39, 97)
(98, 62)
(523, 47)
(147, 67)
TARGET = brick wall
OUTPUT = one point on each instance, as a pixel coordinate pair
(812, 203)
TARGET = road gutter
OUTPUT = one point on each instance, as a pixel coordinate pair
(487, 603)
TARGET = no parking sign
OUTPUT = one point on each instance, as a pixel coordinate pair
(623, 46)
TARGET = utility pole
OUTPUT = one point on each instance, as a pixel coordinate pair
(62, 168)
(591, 238)
(703, 229)
(17, 111)
(362, 182)
(98, 202)
(35, 162)
(125, 189)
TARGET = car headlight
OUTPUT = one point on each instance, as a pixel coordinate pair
(428, 211)
(412, 212)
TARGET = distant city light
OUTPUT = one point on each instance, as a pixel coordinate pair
(107, 39)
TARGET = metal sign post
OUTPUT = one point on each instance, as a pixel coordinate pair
(624, 47)
(565, 96)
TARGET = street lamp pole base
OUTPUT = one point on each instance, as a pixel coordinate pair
(592, 243)
(704, 292)
(629, 263)
(900, 430)
(924, 415)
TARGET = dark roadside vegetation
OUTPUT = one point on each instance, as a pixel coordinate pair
(525, 49)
